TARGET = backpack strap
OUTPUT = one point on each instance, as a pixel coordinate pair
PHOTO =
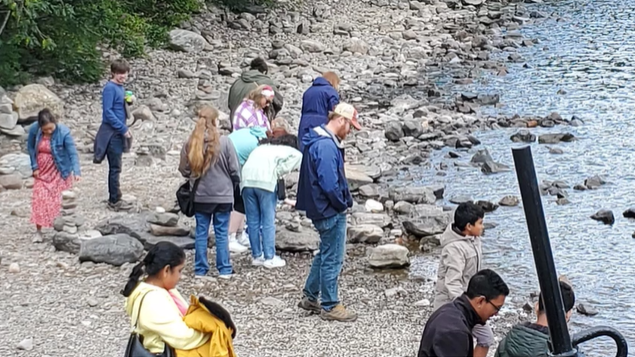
(134, 326)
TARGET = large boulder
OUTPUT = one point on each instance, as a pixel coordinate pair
(8, 121)
(67, 242)
(389, 256)
(187, 41)
(366, 233)
(605, 216)
(114, 249)
(19, 162)
(305, 240)
(430, 220)
(356, 177)
(32, 98)
(413, 194)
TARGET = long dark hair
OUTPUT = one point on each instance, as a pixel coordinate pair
(289, 140)
(161, 255)
(45, 117)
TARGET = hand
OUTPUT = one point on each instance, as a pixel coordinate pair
(128, 134)
(36, 173)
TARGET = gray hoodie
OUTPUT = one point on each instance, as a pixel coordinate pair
(460, 260)
(218, 182)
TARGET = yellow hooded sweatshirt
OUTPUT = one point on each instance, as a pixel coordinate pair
(159, 320)
(201, 319)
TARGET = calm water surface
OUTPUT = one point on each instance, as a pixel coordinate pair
(587, 54)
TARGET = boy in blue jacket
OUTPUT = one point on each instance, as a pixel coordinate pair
(323, 193)
(113, 132)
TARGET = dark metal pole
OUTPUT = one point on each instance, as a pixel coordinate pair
(543, 257)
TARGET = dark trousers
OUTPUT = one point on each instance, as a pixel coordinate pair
(114, 152)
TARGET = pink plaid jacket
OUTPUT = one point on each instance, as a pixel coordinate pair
(246, 115)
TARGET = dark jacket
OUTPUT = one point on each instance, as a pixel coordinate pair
(322, 187)
(448, 332)
(219, 181)
(247, 82)
(317, 102)
(113, 122)
(525, 340)
(62, 148)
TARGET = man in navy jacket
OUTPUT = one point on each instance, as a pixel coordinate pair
(113, 132)
(323, 193)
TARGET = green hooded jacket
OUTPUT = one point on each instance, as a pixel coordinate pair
(247, 82)
(524, 340)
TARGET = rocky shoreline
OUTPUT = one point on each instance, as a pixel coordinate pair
(388, 54)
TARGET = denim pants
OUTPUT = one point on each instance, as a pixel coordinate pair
(260, 209)
(114, 152)
(327, 264)
(221, 230)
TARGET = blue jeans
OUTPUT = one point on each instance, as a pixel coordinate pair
(221, 228)
(114, 152)
(327, 264)
(260, 209)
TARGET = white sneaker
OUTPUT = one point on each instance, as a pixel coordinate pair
(226, 276)
(236, 247)
(258, 262)
(276, 262)
(244, 240)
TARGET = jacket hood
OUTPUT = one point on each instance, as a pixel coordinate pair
(258, 131)
(317, 134)
(522, 340)
(254, 75)
(131, 305)
(321, 81)
(451, 235)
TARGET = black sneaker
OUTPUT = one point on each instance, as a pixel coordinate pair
(119, 206)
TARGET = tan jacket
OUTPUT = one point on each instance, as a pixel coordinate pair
(460, 260)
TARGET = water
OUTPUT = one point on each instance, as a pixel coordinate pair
(588, 54)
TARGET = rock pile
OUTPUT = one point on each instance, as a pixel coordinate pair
(14, 169)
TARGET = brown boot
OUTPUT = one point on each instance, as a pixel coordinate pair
(338, 313)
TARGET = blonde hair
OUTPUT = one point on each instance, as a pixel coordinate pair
(255, 96)
(204, 142)
(333, 79)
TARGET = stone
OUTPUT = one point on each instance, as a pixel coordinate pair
(605, 216)
(356, 177)
(413, 194)
(305, 240)
(176, 231)
(17, 131)
(164, 219)
(389, 256)
(312, 46)
(374, 206)
(369, 191)
(486, 206)
(187, 41)
(390, 293)
(378, 219)
(403, 207)
(26, 344)
(11, 182)
(32, 98)
(89, 234)
(127, 224)
(586, 310)
(69, 195)
(142, 113)
(14, 268)
(149, 241)
(67, 242)
(457, 200)
(20, 162)
(523, 136)
(8, 121)
(393, 131)
(423, 303)
(481, 157)
(365, 233)
(555, 138)
(412, 128)
(594, 182)
(116, 250)
(434, 222)
(629, 213)
(409, 35)
(492, 167)
(355, 45)
(509, 201)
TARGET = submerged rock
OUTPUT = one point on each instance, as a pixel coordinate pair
(605, 216)
(509, 201)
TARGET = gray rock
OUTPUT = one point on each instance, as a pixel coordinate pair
(164, 219)
(143, 113)
(389, 256)
(555, 138)
(460, 199)
(369, 191)
(305, 240)
(366, 233)
(312, 46)
(11, 182)
(605, 216)
(356, 178)
(355, 45)
(378, 219)
(509, 201)
(21, 162)
(114, 249)
(492, 167)
(17, 131)
(148, 240)
(586, 310)
(523, 136)
(32, 98)
(413, 194)
(26, 344)
(393, 131)
(482, 156)
(594, 182)
(67, 242)
(403, 207)
(412, 128)
(187, 41)
(176, 231)
(131, 225)
(8, 121)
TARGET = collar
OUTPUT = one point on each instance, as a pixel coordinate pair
(463, 304)
(536, 327)
(323, 131)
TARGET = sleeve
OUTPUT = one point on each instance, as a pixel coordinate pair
(451, 344)
(334, 99)
(233, 166)
(69, 145)
(328, 177)
(454, 262)
(290, 163)
(168, 324)
(32, 138)
(108, 101)
(184, 165)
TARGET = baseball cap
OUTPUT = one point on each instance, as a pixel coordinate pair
(349, 112)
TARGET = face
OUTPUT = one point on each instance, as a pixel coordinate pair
(171, 276)
(488, 308)
(476, 229)
(264, 102)
(48, 129)
(345, 128)
(120, 77)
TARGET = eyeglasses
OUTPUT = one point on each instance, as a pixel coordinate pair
(498, 308)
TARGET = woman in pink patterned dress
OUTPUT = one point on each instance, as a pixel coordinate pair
(54, 162)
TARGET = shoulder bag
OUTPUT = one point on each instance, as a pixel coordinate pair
(185, 197)
(135, 342)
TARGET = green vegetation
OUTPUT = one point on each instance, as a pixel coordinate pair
(62, 37)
